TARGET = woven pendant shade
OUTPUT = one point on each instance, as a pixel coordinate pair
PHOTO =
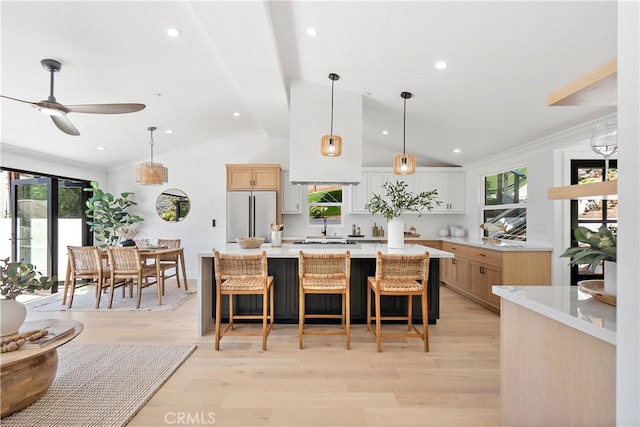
(331, 145)
(404, 164)
(150, 173)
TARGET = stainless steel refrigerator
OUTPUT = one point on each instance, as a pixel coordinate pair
(250, 214)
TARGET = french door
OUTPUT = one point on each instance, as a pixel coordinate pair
(592, 213)
(46, 214)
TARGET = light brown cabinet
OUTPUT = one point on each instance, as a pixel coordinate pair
(436, 244)
(253, 177)
(475, 270)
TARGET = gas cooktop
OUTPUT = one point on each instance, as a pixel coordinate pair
(326, 243)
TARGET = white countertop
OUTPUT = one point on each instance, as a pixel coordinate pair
(363, 250)
(567, 305)
(504, 246)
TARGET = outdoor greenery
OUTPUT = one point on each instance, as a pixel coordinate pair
(107, 214)
(398, 200)
(601, 247)
(331, 194)
(16, 278)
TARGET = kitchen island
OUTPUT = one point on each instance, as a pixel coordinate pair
(558, 357)
(283, 265)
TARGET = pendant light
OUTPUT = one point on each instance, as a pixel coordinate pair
(150, 173)
(331, 145)
(404, 164)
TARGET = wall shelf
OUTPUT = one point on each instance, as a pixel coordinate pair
(596, 189)
(597, 88)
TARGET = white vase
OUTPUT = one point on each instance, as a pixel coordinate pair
(610, 278)
(396, 234)
(12, 316)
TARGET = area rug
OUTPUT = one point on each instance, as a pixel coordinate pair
(102, 384)
(84, 300)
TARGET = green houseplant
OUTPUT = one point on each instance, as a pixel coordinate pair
(593, 247)
(107, 214)
(16, 278)
(395, 202)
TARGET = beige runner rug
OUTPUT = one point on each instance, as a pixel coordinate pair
(102, 384)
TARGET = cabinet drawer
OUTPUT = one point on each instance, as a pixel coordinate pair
(483, 255)
(454, 248)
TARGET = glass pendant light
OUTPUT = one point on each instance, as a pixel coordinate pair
(404, 164)
(150, 173)
(331, 145)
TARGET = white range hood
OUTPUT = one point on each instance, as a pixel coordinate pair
(310, 118)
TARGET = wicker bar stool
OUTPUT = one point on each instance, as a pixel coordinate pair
(243, 275)
(398, 275)
(321, 273)
(126, 265)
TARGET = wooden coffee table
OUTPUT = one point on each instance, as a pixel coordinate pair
(26, 374)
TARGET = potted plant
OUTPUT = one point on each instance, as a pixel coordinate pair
(107, 214)
(593, 248)
(397, 201)
(16, 278)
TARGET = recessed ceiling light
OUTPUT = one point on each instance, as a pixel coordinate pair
(367, 94)
(236, 114)
(456, 150)
(159, 95)
(173, 32)
(102, 148)
(168, 131)
(385, 132)
(441, 65)
(312, 32)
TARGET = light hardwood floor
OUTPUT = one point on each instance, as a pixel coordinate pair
(456, 384)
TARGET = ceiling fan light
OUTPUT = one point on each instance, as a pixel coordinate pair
(51, 111)
(150, 173)
(404, 164)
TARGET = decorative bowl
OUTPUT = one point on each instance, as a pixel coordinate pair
(250, 242)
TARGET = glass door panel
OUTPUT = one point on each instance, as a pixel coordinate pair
(31, 224)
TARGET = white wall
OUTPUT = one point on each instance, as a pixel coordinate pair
(199, 172)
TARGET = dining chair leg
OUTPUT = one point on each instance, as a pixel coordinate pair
(66, 282)
(112, 290)
(231, 311)
(369, 306)
(139, 282)
(98, 291)
(73, 291)
(273, 311)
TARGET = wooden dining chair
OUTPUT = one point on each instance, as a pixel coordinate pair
(170, 262)
(399, 276)
(85, 263)
(126, 265)
(324, 273)
(243, 275)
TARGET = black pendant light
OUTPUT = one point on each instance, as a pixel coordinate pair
(404, 164)
(331, 145)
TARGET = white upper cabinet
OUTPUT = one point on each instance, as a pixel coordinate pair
(361, 194)
(291, 196)
(450, 187)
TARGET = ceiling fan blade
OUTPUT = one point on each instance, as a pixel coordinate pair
(105, 108)
(16, 99)
(63, 123)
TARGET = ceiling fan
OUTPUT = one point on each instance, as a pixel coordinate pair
(58, 112)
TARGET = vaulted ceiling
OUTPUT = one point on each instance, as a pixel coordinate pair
(239, 56)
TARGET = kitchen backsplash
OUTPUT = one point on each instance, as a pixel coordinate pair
(296, 225)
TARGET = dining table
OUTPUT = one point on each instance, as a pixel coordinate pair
(155, 255)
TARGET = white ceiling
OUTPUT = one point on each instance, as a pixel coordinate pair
(504, 58)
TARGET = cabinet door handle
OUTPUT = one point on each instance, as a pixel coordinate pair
(453, 261)
(481, 270)
(482, 254)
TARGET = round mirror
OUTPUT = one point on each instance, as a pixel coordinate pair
(172, 205)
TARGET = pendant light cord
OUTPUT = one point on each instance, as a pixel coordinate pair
(151, 129)
(332, 83)
(404, 127)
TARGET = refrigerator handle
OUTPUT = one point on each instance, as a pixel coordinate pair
(253, 216)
